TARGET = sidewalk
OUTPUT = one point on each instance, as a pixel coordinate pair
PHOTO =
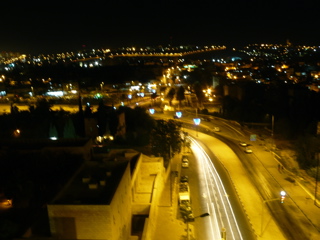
(299, 192)
(169, 224)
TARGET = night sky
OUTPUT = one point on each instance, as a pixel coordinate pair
(57, 26)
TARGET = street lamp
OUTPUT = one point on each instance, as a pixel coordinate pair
(197, 122)
(188, 220)
(16, 133)
(282, 197)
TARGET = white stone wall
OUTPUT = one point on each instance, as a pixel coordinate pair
(80, 221)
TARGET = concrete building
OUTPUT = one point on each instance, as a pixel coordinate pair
(93, 205)
(113, 198)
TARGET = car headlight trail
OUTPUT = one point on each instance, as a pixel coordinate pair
(222, 217)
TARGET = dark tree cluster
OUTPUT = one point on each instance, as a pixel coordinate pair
(166, 139)
(295, 109)
(138, 126)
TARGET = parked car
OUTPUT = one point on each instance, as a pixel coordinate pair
(243, 144)
(248, 150)
(184, 159)
(185, 164)
(184, 178)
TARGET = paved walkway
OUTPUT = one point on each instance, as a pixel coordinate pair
(169, 224)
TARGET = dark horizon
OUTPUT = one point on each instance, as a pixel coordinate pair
(58, 27)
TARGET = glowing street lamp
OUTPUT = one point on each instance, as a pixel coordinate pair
(283, 196)
(16, 133)
(151, 110)
(197, 123)
(179, 114)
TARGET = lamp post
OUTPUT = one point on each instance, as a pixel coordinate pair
(187, 220)
(197, 122)
(282, 197)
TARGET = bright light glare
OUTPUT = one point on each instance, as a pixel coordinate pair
(151, 110)
(55, 93)
(179, 114)
(196, 121)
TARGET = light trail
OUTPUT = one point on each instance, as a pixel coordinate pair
(214, 193)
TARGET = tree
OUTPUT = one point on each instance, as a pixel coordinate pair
(88, 111)
(180, 95)
(197, 88)
(170, 95)
(138, 124)
(53, 133)
(307, 148)
(166, 139)
(43, 107)
(69, 131)
(103, 116)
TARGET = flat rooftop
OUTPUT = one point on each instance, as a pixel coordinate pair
(95, 183)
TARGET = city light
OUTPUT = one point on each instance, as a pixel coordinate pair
(197, 122)
(179, 114)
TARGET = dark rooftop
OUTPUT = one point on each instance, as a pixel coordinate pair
(94, 183)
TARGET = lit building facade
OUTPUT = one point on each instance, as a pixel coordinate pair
(96, 204)
(106, 197)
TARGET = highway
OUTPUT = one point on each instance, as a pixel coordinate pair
(258, 183)
(215, 198)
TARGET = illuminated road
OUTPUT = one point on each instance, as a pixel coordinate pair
(215, 198)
